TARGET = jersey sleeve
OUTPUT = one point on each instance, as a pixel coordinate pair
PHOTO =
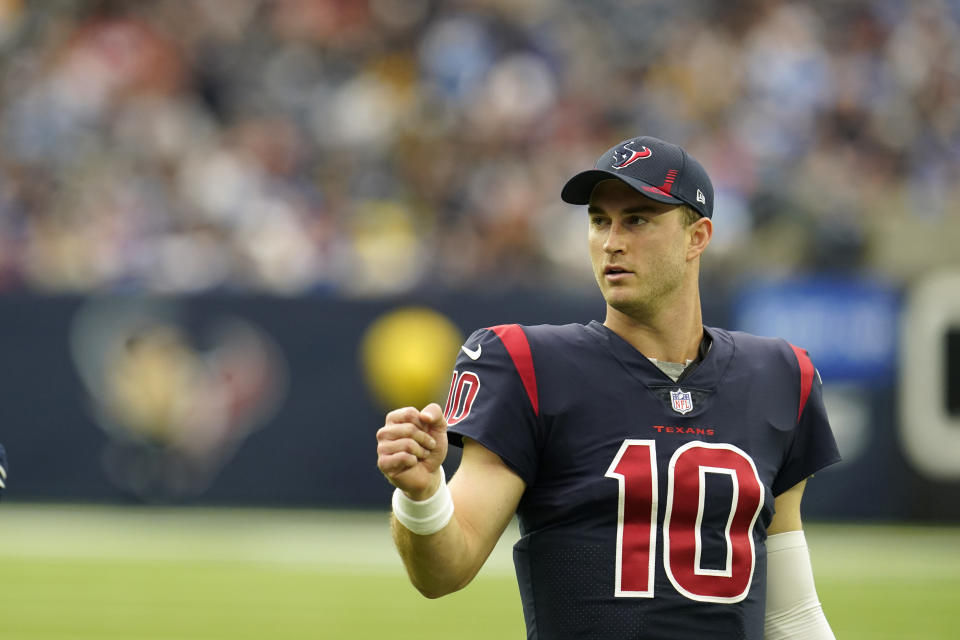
(493, 397)
(813, 446)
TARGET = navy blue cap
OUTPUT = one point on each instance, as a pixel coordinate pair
(660, 170)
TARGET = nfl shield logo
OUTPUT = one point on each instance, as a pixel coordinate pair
(681, 401)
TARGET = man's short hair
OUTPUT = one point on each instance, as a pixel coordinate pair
(690, 215)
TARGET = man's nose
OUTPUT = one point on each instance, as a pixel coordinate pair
(615, 242)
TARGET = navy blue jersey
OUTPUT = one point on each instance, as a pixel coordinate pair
(647, 500)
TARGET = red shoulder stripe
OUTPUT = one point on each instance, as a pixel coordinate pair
(806, 377)
(515, 340)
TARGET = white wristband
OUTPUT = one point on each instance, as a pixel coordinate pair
(424, 517)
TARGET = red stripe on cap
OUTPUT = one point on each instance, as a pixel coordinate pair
(655, 190)
(806, 377)
(515, 340)
(668, 183)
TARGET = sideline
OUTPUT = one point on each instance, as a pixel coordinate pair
(309, 539)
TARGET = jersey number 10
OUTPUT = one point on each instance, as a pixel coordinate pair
(635, 468)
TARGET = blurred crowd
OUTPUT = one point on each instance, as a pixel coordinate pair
(371, 147)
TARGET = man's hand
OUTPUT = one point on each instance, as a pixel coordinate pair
(411, 446)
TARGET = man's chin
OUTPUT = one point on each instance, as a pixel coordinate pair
(626, 304)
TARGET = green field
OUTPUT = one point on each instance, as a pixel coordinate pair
(90, 573)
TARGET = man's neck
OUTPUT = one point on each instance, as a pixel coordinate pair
(672, 335)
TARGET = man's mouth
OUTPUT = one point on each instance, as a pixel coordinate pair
(614, 272)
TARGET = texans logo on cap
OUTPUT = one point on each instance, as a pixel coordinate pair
(628, 156)
(669, 175)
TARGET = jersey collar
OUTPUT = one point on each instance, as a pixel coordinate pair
(705, 372)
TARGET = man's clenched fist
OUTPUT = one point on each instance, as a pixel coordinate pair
(411, 446)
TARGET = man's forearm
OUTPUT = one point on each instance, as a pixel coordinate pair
(438, 564)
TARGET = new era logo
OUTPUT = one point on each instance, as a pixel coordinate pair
(700, 197)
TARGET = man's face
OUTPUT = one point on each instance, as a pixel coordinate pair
(638, 247)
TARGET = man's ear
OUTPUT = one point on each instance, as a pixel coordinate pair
(699, 234)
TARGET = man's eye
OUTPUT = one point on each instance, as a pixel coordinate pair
(635, 220)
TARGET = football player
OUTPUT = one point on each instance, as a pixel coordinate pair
(656, 465)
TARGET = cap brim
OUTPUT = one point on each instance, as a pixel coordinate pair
(580, 187)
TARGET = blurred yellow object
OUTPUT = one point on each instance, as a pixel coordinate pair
(408, 357)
